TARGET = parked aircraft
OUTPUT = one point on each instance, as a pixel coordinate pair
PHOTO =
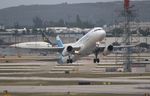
(46, 43)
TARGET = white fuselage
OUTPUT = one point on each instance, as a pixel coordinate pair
(32, 45)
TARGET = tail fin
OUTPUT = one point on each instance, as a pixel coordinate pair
(45, 38)
(59, 42)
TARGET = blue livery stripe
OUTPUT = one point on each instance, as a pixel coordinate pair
(59, 42)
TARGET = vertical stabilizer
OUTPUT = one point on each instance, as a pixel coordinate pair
(59, 42)
(46, 39)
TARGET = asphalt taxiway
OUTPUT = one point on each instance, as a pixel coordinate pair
(119, 89)
(30, 71)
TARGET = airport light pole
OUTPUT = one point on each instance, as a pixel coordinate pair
(127, 36)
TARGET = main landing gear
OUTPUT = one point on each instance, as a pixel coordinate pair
(69, 60)
(96, 60)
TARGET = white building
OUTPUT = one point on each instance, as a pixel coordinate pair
(133, 26)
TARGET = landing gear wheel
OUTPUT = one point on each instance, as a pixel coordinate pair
(96, 60)
(69, 60)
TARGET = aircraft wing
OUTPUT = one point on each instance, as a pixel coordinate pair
(51, 49)
(111, 47)
(55, 49)
(124, 46)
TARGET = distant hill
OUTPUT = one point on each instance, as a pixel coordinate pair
(105, 13)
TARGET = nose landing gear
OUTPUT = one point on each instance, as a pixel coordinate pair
(96, 59)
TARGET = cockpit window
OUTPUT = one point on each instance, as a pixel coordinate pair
(97, 29)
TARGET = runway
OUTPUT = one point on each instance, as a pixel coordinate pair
(120, 80)
(40, 71)
(119, 89)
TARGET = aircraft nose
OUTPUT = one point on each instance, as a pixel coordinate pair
(103, 33)
(13, 45)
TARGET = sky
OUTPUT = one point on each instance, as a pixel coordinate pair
(11, 3)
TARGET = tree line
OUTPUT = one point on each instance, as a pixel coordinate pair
(39, 23)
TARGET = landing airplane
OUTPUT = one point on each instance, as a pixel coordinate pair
(71, 52)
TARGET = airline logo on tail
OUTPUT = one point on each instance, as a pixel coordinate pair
(59, 42)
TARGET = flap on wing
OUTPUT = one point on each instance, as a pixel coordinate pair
(124, 46)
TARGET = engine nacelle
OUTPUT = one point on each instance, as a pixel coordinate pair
(67, 50)
(108, 50)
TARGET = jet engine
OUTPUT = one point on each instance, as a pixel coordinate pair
(108, 50)
(67, 50)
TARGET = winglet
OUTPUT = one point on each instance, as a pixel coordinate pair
(59, 42)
